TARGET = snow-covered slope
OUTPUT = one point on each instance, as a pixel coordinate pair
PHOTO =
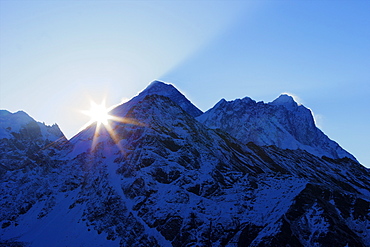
(159, 177)
(21, 137)
(282, 123)
(15, 124)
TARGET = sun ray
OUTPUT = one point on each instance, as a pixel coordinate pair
(126, 120)
(103, 121)
(98, 113)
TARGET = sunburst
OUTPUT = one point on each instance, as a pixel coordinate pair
(99, 114)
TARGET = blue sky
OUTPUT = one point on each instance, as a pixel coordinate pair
(57, 55)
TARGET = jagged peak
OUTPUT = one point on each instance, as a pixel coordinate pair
(14, 122)
(23, 117)
(7, 113)
(248, 100)
(19, 116)
(164, 89)
(220, 102)
(285, 100)
(158, 86)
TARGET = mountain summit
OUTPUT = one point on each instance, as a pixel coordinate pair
(165, 176)
(285, 100)
(282, 123)
(167, 90)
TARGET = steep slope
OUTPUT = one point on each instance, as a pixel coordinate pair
(21, 137)
(18, 124)
(159, 177)
(167, 90)
(282, 123)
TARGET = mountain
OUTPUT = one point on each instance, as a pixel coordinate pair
(282, 123)
(159, 177)
(20, 125)
(164, 89)
(22, 137)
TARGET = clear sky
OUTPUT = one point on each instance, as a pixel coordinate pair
(57, 55)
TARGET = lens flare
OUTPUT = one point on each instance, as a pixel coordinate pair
(105, 124)
(98, 113)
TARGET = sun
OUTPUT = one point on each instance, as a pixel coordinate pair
(105, 123)
(98, 113)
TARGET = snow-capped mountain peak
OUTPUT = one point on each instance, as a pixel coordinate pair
(282, 123)
(166, 178)
(248, 100)
(285, 100)
(159, 87)
(18, 123)
(163, 89)
(12, 122)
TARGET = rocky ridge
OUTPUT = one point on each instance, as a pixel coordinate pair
(282, 123)
(166, 178)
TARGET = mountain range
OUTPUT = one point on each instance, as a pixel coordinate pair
(164, 173)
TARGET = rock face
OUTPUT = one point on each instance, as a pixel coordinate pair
(282, 123)
(21, 139)
(160, 177)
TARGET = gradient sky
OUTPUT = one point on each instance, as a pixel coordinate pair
(57, 55)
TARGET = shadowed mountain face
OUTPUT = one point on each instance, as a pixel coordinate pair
(22, 138)
(166, 178)
(163, 89)
(282, 123)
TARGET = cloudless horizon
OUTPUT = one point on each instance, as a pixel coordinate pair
(56, 56)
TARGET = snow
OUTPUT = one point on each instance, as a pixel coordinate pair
(200, 180)
(316, 223)
(12, 122)
(282, 123)
(286, 101)
(116, 181)
(60, 227)
(265, 204)
(163, 89)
